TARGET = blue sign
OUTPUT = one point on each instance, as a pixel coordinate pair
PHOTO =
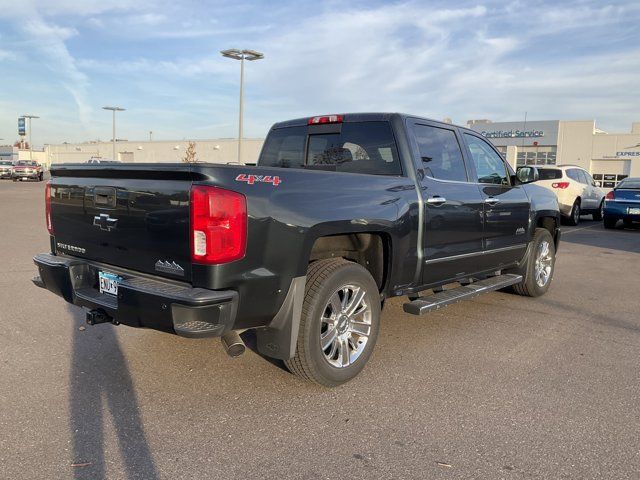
(21, 127)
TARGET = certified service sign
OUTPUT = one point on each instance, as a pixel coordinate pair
(513, 134)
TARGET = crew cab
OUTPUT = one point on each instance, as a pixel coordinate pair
(27, 170)
(340, 213)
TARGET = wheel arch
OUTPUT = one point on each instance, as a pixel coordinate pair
(370, 249)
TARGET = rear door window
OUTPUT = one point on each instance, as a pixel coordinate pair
(574, 174)
(440, 153)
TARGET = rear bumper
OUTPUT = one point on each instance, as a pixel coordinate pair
(620, 210)
(142, 301)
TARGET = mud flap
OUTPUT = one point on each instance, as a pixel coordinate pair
(278, 340)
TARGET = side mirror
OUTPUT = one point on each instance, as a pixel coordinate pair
(527, 174)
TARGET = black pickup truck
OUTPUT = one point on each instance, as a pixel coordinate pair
(340, 213)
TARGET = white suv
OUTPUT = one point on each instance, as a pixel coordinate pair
(577, 192)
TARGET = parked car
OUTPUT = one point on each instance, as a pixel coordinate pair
(27, 170)
(340, 213)
(578, 193)
(623, 203)
(6, 168)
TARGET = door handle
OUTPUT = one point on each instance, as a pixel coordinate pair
(436, 200)
(491, 200)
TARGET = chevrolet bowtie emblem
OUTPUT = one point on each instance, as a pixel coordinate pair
(105, 222)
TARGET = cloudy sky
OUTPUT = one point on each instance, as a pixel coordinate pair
(65, 59)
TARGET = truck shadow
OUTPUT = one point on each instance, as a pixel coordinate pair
(101, 390)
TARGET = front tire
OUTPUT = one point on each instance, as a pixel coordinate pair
(540, 267)
(339, 323)
(610, 222)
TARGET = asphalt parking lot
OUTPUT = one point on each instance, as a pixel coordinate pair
(499, 387)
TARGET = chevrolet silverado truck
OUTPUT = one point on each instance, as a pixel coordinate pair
(340, 213)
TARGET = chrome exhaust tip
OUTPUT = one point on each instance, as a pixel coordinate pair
(233, 344)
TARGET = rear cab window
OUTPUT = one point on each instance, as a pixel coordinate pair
(356, 147)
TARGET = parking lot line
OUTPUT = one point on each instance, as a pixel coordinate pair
(564, 232)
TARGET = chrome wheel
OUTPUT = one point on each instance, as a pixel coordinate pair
(544, 263)
(345, 326)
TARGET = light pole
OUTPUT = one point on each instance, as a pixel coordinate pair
(29, 117)
(241, 55)
(114, 110)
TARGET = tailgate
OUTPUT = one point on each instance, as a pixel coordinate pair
(134, 217)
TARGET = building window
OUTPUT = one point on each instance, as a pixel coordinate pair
(536, 156)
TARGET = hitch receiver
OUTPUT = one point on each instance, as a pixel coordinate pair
(97, 316)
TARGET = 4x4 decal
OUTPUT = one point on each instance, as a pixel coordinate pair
(251, 179)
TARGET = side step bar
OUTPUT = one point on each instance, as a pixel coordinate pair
(441, 299)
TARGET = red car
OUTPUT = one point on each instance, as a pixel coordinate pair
(27, 169)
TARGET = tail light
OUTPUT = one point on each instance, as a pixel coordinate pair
(47, 206)
(610, 195)
(325, 119)
(218, 225)
(561, 185)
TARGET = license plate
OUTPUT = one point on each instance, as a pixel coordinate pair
(108, 283)
(634, 211)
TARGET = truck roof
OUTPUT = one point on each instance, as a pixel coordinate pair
(363, 117)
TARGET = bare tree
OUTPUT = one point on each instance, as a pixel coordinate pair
(190, 154)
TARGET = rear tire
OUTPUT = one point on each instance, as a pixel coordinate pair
(597, 216)
(540, 266)
(610, 222)
(328, 320)
(574, 216)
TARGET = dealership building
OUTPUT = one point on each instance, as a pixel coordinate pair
(609, 157)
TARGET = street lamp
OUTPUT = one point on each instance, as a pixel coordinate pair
(29, 117)
(241, 55)
(114, 110)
